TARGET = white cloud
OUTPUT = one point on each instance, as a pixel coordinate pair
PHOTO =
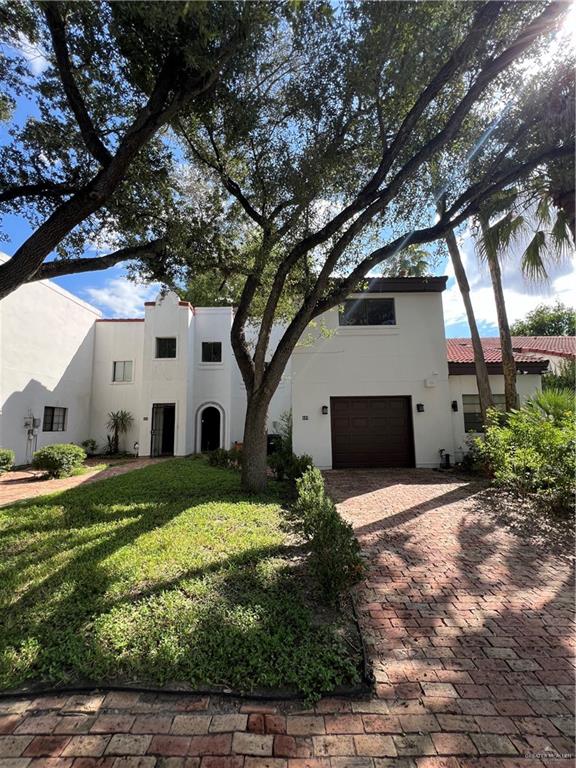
(34, 55)
(521, 296)
(120, 297)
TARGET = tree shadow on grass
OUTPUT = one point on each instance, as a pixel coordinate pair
(96, 587)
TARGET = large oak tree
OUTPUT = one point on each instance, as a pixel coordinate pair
(322, 161)
(91, 158)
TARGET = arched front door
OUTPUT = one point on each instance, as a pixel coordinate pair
(210, 429)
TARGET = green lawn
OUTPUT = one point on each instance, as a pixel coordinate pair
(169, 573)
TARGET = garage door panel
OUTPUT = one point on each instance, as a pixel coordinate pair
(371, 432)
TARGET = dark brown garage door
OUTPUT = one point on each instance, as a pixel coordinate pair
(371, 432)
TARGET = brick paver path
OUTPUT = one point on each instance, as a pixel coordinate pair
(469, 634)
(26, 484)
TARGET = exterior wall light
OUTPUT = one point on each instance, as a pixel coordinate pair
(454, 405)
(420, 407)
(325, 410)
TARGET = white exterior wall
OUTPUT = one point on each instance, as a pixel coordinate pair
(115, 341)
(46, 349)
(213, 381)
(383, 360)
(526, 385)
(167, 380)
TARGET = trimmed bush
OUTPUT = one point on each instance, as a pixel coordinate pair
(59, 460)
(224, 459)
(89, 446)
(533, 454)
(288, 466)
(334, 551)
(6, 459)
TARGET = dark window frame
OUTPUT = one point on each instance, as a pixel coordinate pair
(362, 313)
(123, 380)
(473, 419)
(55, 419)
(159, 342)
(211, 352)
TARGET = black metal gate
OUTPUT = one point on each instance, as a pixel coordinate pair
(163, 429)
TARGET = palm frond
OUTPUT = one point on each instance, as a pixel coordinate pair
(543, 212)
(560, 235)
(532, 264)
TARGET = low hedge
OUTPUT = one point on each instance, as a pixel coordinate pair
(59, 460)
(335, 558)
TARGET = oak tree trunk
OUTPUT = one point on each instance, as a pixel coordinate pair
(254, 450)
(482, 380)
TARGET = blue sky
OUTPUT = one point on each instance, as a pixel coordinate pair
(116, 296)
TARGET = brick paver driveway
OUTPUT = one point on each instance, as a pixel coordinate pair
(469, 633)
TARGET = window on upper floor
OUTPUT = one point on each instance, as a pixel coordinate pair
(122, 371)
(211, 351)
(367, 312)
(165, 347)
(472, 414)
(54, 419)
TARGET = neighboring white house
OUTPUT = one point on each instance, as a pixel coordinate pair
(372, 383)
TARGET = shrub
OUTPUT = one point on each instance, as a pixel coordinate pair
(6, 459)
(231, 459)
(218, 458)
(554, 403)
(235, 457)
(334, 551)
(89, 446)
(288, 466)
(533, 455)
(59, 460)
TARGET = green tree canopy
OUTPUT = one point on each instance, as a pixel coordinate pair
(547, 320)
(91, 161)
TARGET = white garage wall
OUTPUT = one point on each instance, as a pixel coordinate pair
(387, 360)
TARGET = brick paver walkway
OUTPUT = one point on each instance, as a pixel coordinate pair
(470, 637)
(28, 483)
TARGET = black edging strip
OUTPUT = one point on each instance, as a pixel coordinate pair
(364, 688)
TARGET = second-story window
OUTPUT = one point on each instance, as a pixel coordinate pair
(165, 347)
(368, 312)
(122, 370)
(211, 351)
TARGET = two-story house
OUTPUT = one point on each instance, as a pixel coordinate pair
(371, 383)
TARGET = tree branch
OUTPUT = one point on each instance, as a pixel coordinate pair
(39, 189)
(75, 101)
(155, 249)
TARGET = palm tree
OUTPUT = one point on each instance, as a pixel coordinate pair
(524, 213)
(119, 423)
(482, 380)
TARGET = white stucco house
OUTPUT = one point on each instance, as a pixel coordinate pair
(381, 388)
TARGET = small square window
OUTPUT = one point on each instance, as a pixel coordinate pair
(54, 419)
(166, 347)
(211, 351)
(122, 370)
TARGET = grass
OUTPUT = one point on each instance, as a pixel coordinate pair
(168, 573)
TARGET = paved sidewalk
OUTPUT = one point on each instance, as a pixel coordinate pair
(470, 634)
(29, 483)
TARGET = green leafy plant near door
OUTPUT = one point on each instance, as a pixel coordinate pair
(119, 423)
